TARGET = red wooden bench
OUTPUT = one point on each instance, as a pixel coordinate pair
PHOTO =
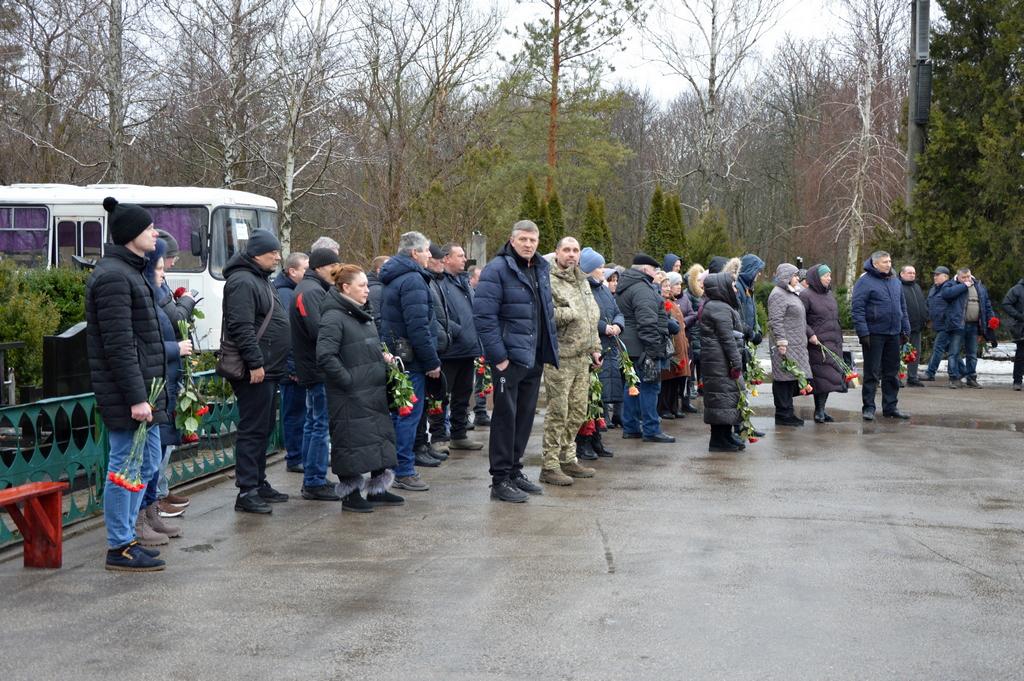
(39, 520)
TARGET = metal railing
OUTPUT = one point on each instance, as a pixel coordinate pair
(64, 439)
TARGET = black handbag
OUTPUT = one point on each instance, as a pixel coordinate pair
(230, 364)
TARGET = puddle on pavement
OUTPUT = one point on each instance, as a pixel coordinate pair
(198, 548)
(936, 420)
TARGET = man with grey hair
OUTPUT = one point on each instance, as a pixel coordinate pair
(407, 327)
(515, 321)
(881, 322)
(326, 242)
(293, 395)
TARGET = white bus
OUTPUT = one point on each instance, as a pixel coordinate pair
(57, 225)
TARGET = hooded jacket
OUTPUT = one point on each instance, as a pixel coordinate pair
(917, 306)
(611, 375)
(304, 317)
(465, 343)
(247, 301)
(823, 321)
(787, 321)
(643, 310)
(285, 288)
(669, 262)
(955, 295)
(576, 313)
(172, 351)
(349, 357)
(878, 306)
(721, 333)
(1013, 306)
(750, 266)
(407, 311)
(513, 312)
(125, 346)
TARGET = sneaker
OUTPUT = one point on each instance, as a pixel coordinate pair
(131, 558)
(659, 438)
(466, 443)
(355, 503)
(631, 436)
(522, 482)
(412, 483)
(271, 495)
(296, 468)
(575, 470)
(972, 382)
(424, 459)
(176, 500)
(794, 421)
(152, 553)
(385, 499)
(868, 413)
(1017, 387)
(482, 420)
(157, 523)
(167, 510)
(507, 491)
(320, 493)
(252, 502)
(439, 448)
(955, 384)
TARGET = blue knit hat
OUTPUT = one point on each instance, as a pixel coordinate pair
(590, 260)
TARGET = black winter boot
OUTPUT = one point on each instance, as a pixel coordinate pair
(598, 446)
(584, 450)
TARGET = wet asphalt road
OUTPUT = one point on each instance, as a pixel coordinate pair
(847, 551)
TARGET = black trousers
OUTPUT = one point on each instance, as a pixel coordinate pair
(882, 365)
(819, 401)
(256, 419)
(782, 394)
(459, 376)
(668, 398)
(1018, 363)
(515, 403)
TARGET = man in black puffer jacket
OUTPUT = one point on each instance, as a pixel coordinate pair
(917, 314)
(248, 299)
(304, 319)
(126, 354)
(646, 338)
(1013, 306)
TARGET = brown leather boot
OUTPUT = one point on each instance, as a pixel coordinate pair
(157, 523)
(146, 534)
(553, 476)
(575, 470)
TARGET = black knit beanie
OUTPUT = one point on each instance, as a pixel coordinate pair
(126, 220)
(321, 257)
(261, 241)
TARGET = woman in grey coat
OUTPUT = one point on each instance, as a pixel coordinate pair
(787, 321)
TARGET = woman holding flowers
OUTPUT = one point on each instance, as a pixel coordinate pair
(822, 312)
(677, 369)
(787, 321)
(721, 333)
(348, 352)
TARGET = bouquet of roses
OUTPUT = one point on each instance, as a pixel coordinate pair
(755, 372)
(401, 394)
(191, 407)
(746, 413)
(484, 371)
(629, 374)
(435, 407)
(790, 367)
(849, 375)
(595, 406)
(908, 354)
(129, 476)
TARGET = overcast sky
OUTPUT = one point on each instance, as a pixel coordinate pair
(801, 18)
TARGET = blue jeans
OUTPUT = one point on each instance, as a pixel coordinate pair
(640, 414)
(121, 507)
(405, 427)
(293, 416)
(941, 347)
(965, 339)
(316, 438)
(158, 486)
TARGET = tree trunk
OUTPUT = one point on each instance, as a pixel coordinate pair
(865, 90)
(556, 64)
(115, 93)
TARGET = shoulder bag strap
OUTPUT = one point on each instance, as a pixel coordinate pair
(266, 320)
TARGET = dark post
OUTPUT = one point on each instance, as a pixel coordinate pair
(919, 95)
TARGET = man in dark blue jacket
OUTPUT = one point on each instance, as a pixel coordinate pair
(408, 320)
(968, 313)
(293, 395)
(937, 317)
(515, 320)
(463, 347)
(881, 322)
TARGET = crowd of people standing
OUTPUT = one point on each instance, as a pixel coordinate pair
(324, 336)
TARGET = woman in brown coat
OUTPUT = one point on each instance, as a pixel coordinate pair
(673, 378)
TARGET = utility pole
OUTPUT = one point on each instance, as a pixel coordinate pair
(920, 93)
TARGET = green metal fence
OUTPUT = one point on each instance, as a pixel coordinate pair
(64, 439)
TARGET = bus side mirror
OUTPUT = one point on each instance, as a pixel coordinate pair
(197, 243)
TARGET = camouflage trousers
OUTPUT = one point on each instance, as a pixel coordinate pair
(567, 390)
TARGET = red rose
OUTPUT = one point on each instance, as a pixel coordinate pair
(993, 323)
(179, 292)
(668, 306)
(203, 410)
(751, 439)
(601, 423)
(413, 399)
(404, 411)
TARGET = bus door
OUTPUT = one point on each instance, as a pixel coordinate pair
(76, 236)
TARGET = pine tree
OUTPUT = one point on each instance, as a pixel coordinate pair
(591, 234)
(529, 206)
(674, 207)
(547, 242)
(606, 233)
(555, 224)
(709, 237)
(656, 237)
(968, 207)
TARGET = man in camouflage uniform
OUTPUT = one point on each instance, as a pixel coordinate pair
(567, 387)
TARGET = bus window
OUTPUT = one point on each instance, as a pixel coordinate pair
(92, 240)
(179, 221)
(231, 228)
(23, 235)
(268, 220)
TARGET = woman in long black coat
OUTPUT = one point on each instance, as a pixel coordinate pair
(348, 352)
(721, 333)
(823, 325)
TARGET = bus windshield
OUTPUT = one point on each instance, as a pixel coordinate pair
(231, 228)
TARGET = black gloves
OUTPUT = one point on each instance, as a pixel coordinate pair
(865, 342)
(757, 338)
(734, 374)
(904, 339)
